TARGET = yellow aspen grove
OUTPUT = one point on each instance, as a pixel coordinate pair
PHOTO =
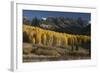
(49, 38)
(76, 41)
(66, 41)
(63, 40)
(40, 36)
(33, 41)
(55, 40)
(31, 34)
(59, 41)
(69, 41)
(43, 39)
(86, 39)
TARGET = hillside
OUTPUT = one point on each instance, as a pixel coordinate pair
(47, 44)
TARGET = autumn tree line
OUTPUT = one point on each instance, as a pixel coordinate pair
(36, 35)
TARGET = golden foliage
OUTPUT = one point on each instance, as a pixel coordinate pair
(51, 38)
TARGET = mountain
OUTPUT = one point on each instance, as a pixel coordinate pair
(64, 25)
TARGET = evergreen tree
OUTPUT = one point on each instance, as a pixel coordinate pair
(35, 21)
